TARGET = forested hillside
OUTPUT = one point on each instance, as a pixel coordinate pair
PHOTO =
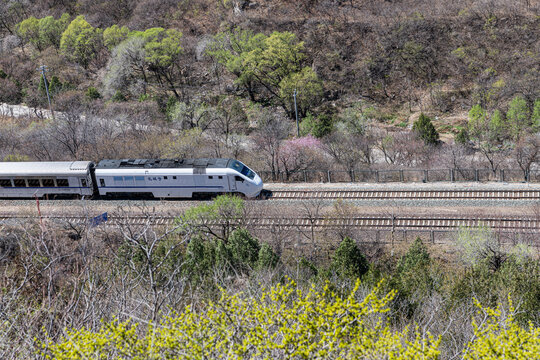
(227, 71)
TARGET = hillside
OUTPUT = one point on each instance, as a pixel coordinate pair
(380, 64)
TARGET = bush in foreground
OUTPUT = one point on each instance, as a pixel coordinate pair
(500, 337)
(283, 322)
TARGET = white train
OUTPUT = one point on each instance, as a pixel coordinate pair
(157, 178)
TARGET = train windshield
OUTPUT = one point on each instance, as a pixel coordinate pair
(242, 169)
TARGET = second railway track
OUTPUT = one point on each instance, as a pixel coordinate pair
(367, 222)
(405, 194)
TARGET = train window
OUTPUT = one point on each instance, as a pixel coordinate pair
(174, 177)
(83, 182)
(220, 177)
(118, 180)
(102, 182)
(47, 182)
(139, 178)
(238, 178)
(210, 177)
(241, 168)
(5, 183)
(33, 182)
(62, 182)
(164, 178)
(20, 182)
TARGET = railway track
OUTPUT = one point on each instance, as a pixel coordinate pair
(372, 222)
(406, 194)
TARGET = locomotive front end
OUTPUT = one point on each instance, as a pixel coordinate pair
(246, 181)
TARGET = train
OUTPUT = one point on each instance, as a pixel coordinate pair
(129, 178)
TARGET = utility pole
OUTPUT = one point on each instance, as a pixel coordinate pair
(43, 68)
(296, 112)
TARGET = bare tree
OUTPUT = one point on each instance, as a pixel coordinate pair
(526, 153)
(272, 129)
(349, 150)
(403, 148)
(311, 210)
(153, 258)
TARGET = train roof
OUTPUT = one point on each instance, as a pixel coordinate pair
(45, 168)
(163, 163)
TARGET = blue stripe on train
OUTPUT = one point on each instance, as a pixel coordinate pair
(160, 187)
(116, 187)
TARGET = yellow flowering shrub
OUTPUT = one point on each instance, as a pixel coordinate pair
(284, 322)
(498, 338)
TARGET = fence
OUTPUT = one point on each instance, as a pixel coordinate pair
(402, 175)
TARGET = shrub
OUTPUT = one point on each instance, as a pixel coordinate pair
(54, 85)
(425, 130)
(92, 93)
(170, 106)
(200, 257)
(119, 97)
(480, 245)
(348, 260)
(496, 337)
(10, 93)
(244, 249)
(462, 137)
(283, 322)
(317, 126)
(413, 278)
(267, 258)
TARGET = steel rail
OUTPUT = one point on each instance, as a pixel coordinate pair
(368, 222)
(406, 194)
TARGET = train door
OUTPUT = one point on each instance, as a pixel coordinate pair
(232, 183)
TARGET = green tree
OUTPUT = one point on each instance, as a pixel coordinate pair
(231, 49)
(425, 130)
(518, 116)
(488, 132)
(114, 35)
(308, 89)
(497, 126)
(269, 68)
(535, 117)
(477, 123)
(348, 260)
(81, 42)
(28, 30)
(162, 49)
(50, 30)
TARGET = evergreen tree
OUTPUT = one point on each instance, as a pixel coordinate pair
(348, 260)
(425, 130)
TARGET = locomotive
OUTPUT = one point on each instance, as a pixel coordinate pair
(148, 178)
